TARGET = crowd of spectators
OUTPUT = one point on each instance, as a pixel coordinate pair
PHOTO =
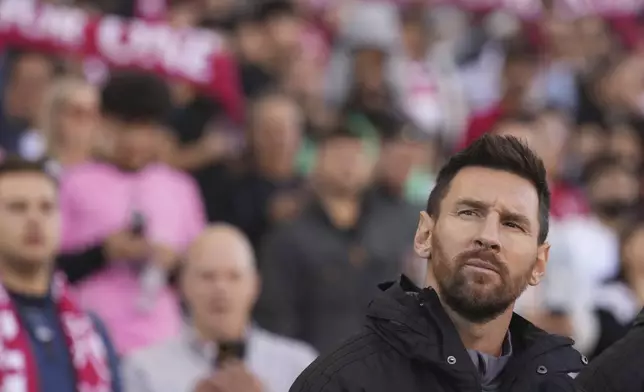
(349, 108)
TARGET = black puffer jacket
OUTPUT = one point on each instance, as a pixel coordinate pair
(409, 344)
(620, 368)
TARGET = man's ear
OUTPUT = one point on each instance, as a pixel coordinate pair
(539, 269)
(423, 238)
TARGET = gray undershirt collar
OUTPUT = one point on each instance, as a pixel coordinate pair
(490, 367)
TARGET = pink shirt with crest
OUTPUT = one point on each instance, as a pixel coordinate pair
(98, 199)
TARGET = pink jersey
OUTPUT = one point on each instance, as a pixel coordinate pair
(98, 199)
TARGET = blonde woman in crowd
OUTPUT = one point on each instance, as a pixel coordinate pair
(68, 128)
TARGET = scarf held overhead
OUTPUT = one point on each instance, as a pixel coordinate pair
(197, 56)
(18, 370)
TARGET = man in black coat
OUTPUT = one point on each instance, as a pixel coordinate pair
(484, 235)
(618, 368)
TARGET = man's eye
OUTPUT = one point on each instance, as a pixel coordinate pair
(17, 207)
(513, 225)
(467, 213)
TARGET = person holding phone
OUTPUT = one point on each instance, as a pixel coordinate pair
(220, 350)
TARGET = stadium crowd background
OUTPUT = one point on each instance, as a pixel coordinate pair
(318, 128)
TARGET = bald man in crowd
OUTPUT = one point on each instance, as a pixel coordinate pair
(220, 350)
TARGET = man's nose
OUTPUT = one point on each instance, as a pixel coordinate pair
(488, 235)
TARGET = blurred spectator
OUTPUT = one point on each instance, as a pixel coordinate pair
(28, 77)
(586, 144)
(150, 214)
(283, 27)
(563, 60)
(202, 144)
(400, 156)
(68, 133)
(433, 96)
(39, 319)
(360, 76)
(253, 53)
(620, 299)
(613, 193)
(268, 190)
(517, 83)
(269, 37)
(625, 143)
(553, 129)
(220, 350)
(406, 169)
(371, 75)
(614, 91)
(371, 98)
(594, 40)
(320, 269)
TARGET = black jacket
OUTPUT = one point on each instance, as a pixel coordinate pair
(409, 344)
(304, 258)
(620, 368)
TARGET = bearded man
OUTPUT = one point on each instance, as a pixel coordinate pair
(484, 236)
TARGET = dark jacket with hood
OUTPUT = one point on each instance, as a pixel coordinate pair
(620, 368)
(409, 344)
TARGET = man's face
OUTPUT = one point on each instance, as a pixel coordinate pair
(133, 145)
(220, 285)
(77, 118)
(613, 193)
(344, 166)
(625, 144)
(483, 248)
(369, 67)
(29, 219)
(277, 133)
(397, 160)
(518, 78)
(27, 85)
(285, 31)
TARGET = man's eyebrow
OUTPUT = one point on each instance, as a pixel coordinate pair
(505, 214)
(472, 203)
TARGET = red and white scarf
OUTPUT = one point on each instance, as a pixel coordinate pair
(18, 369)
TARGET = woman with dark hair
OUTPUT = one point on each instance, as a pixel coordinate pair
(620, 299)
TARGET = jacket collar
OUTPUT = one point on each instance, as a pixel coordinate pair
(414, 322)
(639, 320)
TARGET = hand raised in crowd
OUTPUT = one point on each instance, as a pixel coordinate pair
(164, 256)
(124, 245)
(233, 377)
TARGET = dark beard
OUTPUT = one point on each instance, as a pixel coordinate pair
(460, 293)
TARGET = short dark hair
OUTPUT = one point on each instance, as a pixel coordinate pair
(14, 57)
(13, 164)
(272, 9)
(342, 131)
(132, 96)
(506, 153)
(520, 51)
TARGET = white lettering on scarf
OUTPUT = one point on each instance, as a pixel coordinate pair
(186, 53)
(64, 25)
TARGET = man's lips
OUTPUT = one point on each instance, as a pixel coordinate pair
(482, 264)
